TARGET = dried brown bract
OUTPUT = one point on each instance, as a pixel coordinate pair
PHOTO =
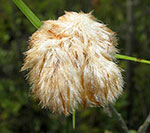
(70, 62)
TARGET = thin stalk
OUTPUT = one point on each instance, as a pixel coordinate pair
(119, 118)
(124, 57)
(144, 126)
(73, 119)
(28, 13)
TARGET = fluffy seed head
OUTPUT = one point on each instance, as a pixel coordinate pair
(70, 62)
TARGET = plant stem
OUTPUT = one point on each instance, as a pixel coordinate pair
(144, 126)
(28, 13)
(119, 118)
(73, 119)
(124, 57)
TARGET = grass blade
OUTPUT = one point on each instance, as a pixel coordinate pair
(28, 13)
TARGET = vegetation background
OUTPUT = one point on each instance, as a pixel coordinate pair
(19, 113)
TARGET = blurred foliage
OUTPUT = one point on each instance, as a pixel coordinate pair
(19, 113)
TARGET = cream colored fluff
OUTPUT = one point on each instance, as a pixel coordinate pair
(70, 62)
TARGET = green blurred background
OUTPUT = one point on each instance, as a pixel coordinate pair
(19, 113)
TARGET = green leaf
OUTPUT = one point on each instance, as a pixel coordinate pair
(28, 13)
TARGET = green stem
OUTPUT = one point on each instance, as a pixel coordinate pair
(28, 13)
(73, 119)
(124, 57)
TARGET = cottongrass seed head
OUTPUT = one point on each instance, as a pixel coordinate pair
(71, 62)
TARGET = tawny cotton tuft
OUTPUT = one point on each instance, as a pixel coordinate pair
(70, 62)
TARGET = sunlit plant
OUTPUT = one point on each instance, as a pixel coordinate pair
(71, 61)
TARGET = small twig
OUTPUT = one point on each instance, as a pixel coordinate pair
(119, 118)
(145, 125)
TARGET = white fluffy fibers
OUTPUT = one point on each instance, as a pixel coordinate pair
(70, 62)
